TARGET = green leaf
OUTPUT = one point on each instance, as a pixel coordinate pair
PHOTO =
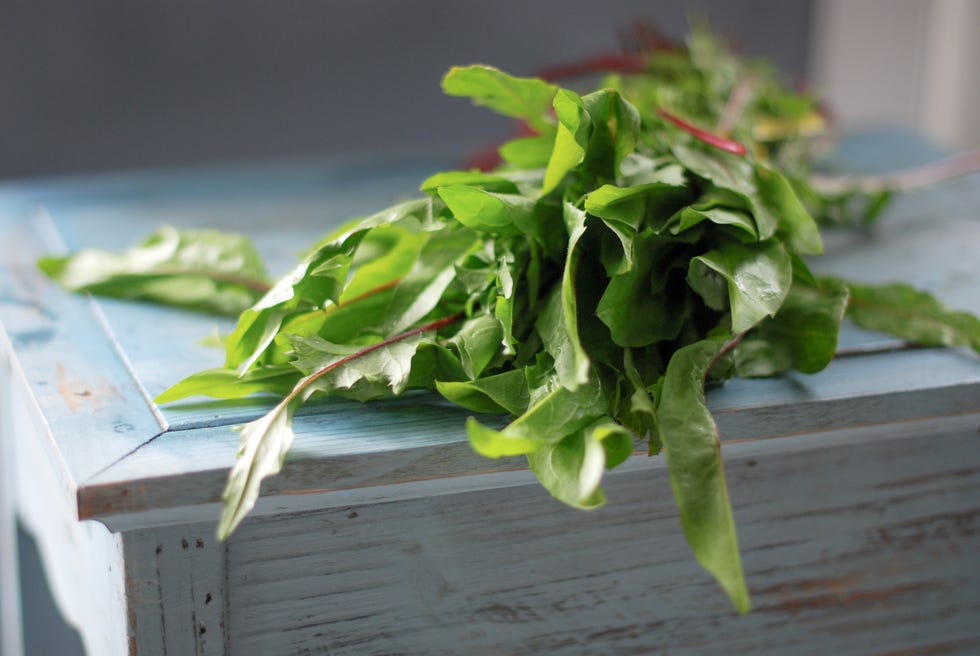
(257, 326)
(571, 469)
(637, 306)
(623, 205)
(529, 152)
(263, 447)
(478, 340)
(795, 223)
(504, 312)
(478, 179)
(911, 314)
(422, 288)
(381, 372)
(505, 392)
(638, 169)
(558, 322)
(526, 98)
(555, 411)
(228, 384)
(758, 278)
(689, 217)
(205, 270)
(574, 128)
(802, 335)
(736, 174)
(615, 126)
(498, 214)
(690, 443)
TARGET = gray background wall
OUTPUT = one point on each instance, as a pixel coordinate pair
(107, 85)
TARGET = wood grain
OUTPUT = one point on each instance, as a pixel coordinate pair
(874, 550)
(175, 583)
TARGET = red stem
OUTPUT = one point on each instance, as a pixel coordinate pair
(369, 293)
(625, 62)
(726, 349)
(434, 325)
(707, 137)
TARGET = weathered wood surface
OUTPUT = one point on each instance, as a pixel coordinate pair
(83, 560)
(175, 584)
(93, 365)
(862, 541)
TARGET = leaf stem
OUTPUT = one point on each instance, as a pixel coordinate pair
(624, 62)
(434, 325)
(725, 350)
(903, 180)
(735, 106)
(709, 138)
(360, 297)
(252, 283)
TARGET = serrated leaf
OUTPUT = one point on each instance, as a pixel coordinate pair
(383, 371)
(263, 447)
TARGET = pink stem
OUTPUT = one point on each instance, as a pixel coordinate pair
(707, 137)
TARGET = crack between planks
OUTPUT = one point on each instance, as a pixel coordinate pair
(123, 457)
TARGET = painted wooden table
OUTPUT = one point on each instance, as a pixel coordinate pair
(856, 491)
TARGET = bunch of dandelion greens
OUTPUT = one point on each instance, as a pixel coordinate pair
(638, 242)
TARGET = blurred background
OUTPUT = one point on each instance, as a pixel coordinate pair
(100, 85)
(109, 85)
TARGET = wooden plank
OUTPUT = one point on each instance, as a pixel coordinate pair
(422, 436)
(92, 408)
(875, 553)
(11, 627)
(82, 560)
(175, 581)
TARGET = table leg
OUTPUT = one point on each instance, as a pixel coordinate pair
(11, 627)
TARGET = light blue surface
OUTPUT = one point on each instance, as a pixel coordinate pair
(855, 490)
(93, 365)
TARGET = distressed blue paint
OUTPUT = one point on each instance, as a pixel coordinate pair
(846, 484)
